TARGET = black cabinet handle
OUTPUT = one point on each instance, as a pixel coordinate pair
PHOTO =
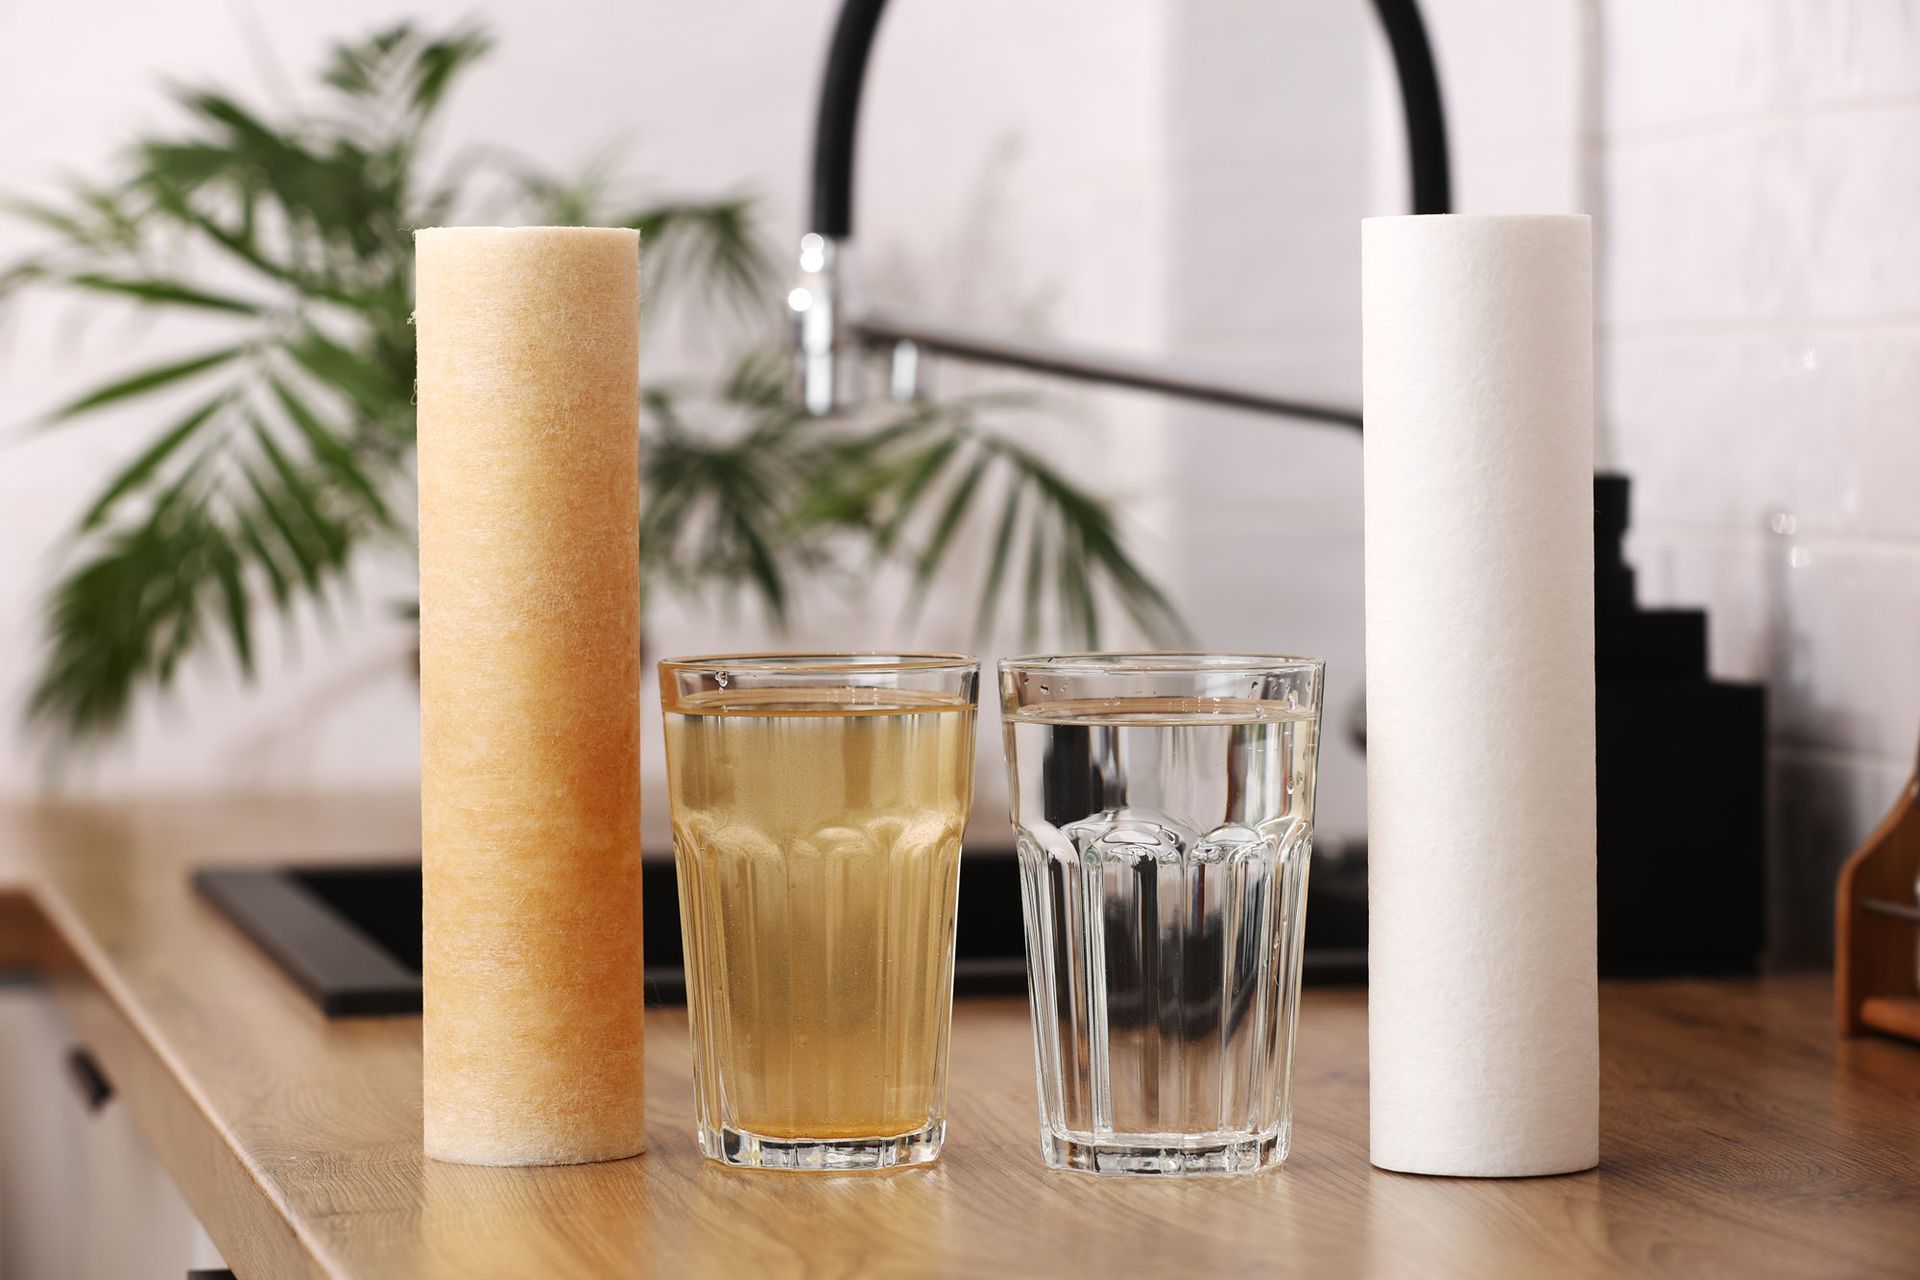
(96, 1091)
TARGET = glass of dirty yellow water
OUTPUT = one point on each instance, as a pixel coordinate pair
(818, 803)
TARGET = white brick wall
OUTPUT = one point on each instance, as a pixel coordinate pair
(1759, 169)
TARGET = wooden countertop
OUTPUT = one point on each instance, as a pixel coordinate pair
(1738, 1139)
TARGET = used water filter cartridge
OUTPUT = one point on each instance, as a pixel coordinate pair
(530, 694)
(1483, 1046)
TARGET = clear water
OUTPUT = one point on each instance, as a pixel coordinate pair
(1164, 847)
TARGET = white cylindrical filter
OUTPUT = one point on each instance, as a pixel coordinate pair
(1483, 1044)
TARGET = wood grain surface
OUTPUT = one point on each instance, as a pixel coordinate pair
(1739, 1137)
(1874, 957)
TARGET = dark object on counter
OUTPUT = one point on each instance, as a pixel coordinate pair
(349, 936)
(1877, 926)
(1681, 778)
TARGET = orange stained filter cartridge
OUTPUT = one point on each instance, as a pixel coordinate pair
(530, 693)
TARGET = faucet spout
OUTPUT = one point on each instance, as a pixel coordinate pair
(814, 306)
(826, 370)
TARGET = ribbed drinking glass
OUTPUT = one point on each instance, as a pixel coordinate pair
(1163, 806)
(818, 803)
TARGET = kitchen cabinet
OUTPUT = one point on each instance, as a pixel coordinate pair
(81, 1196)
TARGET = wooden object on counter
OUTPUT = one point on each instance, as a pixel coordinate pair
(1877, 927)
(530, 693)
(1736, 1138)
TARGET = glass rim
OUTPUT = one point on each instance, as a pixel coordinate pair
(1167, 662)
(865, 662)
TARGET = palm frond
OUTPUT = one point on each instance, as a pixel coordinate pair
(122, 617)
(136, 473)
(405, 63)
(92, 219)
(715, 509)
(932, 471)
(145, 381)
(170, 292)
(441, 60)
(713, 245)
(290, 449)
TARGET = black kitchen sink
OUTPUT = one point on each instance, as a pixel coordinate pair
(349, 936)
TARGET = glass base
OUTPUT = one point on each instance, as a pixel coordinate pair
(1164, 1155)
(745, 1150)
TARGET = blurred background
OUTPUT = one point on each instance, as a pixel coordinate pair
(1164, 178)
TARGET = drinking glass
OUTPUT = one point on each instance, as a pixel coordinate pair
(1163, 805)
(818, 802)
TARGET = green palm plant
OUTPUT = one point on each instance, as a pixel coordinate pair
(288, 452)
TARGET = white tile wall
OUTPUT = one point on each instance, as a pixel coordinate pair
(1781, 217)
(1515, 103)
(1726, 428)
(1759, 162)
(1707, 62)
(1846, 635)
(1269, 168)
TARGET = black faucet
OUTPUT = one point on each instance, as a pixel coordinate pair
(821, 332)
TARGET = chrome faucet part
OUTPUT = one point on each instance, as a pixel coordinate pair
(814, 306)
(903, 370)
(910, 342)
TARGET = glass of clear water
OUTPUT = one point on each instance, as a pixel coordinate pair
(1163, 805)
